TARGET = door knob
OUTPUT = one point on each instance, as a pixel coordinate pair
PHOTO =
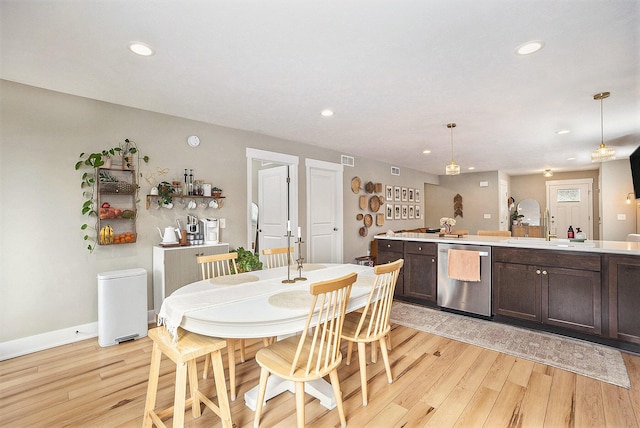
(335, 229)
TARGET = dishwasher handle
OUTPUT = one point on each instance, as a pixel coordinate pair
(482, 253)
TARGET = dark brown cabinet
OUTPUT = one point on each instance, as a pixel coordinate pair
(390, 251)
(624, 298)
(420, 270)
(537, 285)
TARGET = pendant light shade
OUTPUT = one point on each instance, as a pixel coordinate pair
(548, 173)
(602, 153)
(453, 168)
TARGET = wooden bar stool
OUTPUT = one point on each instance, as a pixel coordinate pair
(184, 353)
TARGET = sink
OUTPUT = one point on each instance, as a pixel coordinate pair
(553, 243)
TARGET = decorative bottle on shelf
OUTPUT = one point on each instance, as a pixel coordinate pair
(185, 185)
(570, 232)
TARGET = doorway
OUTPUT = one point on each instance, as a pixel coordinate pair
(285, 193)
(570, 203)
(324, 212)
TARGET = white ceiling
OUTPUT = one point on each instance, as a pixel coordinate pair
(394, 72)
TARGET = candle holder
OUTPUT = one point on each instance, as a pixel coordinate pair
(300, 260)
(288, 280)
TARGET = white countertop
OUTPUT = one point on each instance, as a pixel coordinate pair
(610, 247)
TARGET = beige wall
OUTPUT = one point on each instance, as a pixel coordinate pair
(476, 201)
(616, 179)
(47, 277)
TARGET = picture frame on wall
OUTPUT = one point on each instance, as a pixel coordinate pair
(396, 211)
(404, 194)
(417, 195)
(411, 194)
(396, 193)
(405, 212)
(389, 193)
(417, 213)
(411, 212)
(389, 212)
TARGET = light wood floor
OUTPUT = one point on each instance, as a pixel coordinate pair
(437, 382)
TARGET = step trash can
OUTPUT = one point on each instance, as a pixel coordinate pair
(122, 306)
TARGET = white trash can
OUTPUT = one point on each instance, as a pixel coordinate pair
(122, 306)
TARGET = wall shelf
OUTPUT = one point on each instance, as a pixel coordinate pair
(187, 198)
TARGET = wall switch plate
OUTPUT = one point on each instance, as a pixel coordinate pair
(484, 184)
(487, 216)
(223, 223)
(622, 216)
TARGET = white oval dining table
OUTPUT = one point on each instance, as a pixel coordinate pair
(258, 304)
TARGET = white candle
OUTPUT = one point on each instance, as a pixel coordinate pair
(299, 232)
(288, 225)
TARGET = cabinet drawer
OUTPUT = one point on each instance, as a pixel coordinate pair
(390, 246)
(426, 248)
(548, 258)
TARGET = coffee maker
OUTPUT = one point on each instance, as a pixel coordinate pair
(194, 234)
(210, 230)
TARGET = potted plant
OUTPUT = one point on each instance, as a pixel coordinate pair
(128, 149)
(165, 192)
(216, 192)
(517, 218)
(247, 260)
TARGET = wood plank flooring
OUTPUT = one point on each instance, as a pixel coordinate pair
(437, 383)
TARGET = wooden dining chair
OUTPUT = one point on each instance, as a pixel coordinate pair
(494, 233)
(277, 257)
(315, 352)
(183, 353)
(214, 266)
(373, 323)
(460, 232)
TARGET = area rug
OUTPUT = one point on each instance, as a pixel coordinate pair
(585, 358)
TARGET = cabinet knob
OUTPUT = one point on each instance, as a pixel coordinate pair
(433, 260)
(544, 272)
(419, 248)
(538, 271)
(388, 245)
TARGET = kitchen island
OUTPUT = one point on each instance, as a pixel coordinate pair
(589, 290)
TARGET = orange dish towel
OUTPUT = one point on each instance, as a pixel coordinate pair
(464, 265)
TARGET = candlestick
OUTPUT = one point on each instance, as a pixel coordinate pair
(299, 232)
(288, 225)
(288, 280)
(300, 259)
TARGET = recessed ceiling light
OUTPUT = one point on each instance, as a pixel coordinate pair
(141, 49)
(471, 168)
(562, 131)
(327, 113)
(529, 47)
(426, 152)
(571, 158)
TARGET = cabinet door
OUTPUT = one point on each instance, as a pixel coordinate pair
(624, 298)
(420, 277)
(390, 251)
(571, 299)
(420, 271)
(181, 268)
(516, 291)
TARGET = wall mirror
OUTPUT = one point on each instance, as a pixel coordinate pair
(530, 209)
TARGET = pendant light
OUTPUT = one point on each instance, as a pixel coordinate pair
(453, 168)
(602, 153)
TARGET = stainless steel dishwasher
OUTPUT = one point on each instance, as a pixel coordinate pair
(472, 297)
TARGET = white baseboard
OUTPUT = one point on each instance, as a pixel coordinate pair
(51, 339)
(38, 342)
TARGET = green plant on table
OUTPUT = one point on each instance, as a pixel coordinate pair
(247, 260)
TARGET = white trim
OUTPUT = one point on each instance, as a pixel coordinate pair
(51, 339)
(312, 163)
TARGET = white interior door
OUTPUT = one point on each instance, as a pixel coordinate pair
(570, 202)
(272, 207)
(324, 212)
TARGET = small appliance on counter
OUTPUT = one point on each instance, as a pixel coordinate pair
(194, 234)
(211, 230)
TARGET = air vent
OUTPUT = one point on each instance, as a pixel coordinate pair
(347, 160)
(395, 170)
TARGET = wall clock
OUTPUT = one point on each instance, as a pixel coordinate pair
(193, 141)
